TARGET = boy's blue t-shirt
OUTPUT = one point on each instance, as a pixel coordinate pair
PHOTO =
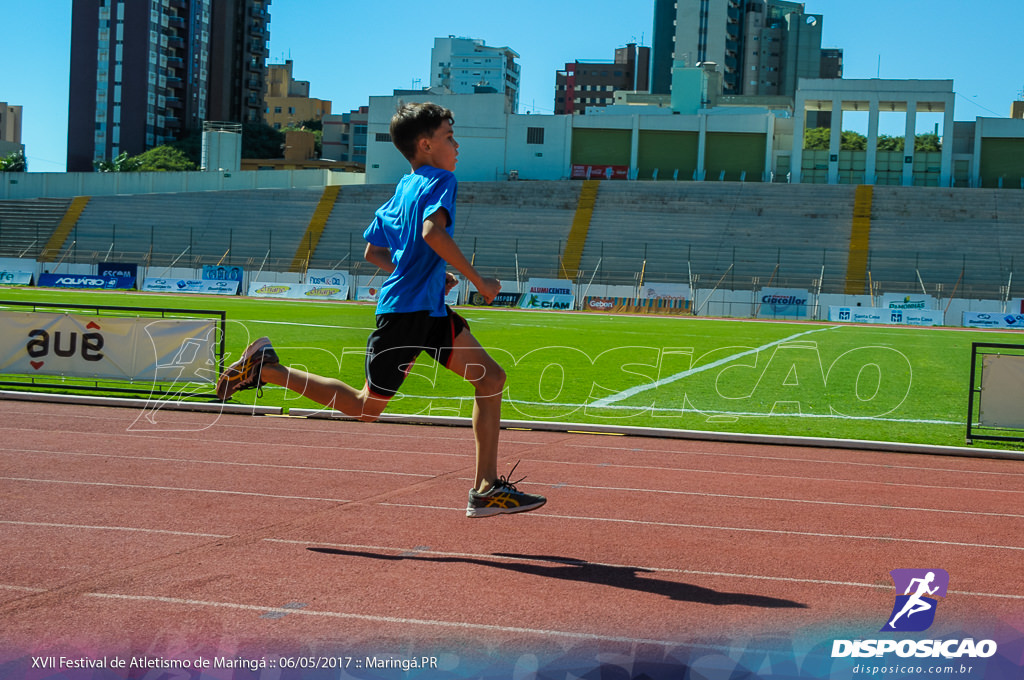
(417, 284)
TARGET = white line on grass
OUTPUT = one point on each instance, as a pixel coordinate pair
(626, 394)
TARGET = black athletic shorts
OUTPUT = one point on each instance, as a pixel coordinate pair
(392, 349)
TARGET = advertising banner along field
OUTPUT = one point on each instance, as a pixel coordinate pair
(85, 346)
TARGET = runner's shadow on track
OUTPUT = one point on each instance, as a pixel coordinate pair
(581, 571)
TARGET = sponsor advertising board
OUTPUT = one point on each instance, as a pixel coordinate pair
(86, 281)
(500, 300)
(156, 285)
(213, 272)
(367, 293)
(15, 278)
(547, 294)
(125, 270)
(329, 278)
(881, 315)
(782, 302)
(298, 291)
(666, 291)
(992, 320)
(620, 305)
(908, 302)
(600, 172)
(38, 343)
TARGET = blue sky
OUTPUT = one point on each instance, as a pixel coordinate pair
(349, 51)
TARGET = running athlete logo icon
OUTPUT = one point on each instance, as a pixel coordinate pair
(914, 609)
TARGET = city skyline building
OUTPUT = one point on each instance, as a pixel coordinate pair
(762, 47)
(287, 101)
(144, 73)
(469, 66)
(593, 83)
(239, 37)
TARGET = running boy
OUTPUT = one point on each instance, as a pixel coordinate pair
(411, 239)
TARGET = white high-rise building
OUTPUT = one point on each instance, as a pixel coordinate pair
(468, 66)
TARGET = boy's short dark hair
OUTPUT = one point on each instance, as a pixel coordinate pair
(412, 121)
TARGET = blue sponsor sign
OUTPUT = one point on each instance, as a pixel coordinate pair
(213, 272)
(86, 281)
(125, 270)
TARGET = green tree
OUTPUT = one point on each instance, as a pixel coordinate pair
(819, 139)
(190, 143)
(853, 141)
(887, 143)
(14, 162)
(123, 163)
(163, 159)
(927, 142)
(260, 140)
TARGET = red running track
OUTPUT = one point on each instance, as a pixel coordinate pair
(240, 535)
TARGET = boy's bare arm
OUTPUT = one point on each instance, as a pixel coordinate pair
(444, 245)
(379, 256)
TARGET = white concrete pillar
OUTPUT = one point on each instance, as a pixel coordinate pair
(908, 144)
(769, 148)
(702, 139)
(946, 172)
(835, 140)
(634, 149)
(871, 161)
(796, 162)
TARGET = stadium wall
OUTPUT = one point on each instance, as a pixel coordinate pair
(26, 185)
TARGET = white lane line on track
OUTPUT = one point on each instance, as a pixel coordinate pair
(799, 478)
(89, 527)
(707, 527)
(176, 489)
(627, 450)
(636, 567)
(771, 499)
(196, 461)
(23, 589)
(472, 627)
(632, 391)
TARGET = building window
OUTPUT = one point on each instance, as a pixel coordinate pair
(383, 137)
(535, 135)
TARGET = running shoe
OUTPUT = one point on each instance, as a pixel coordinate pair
(244, 374)
(503, 498)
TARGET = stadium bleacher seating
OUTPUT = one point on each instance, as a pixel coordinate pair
(26, 225)
(726, 233)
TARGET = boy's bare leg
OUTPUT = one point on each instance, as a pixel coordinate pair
(472, 362)
(326, 391)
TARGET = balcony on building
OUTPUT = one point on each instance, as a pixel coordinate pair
(176, 22)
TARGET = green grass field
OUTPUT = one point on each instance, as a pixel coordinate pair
(805, 379)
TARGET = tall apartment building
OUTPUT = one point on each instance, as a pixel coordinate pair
(287, 101)
(345, 136)
(239, 33)
(468, 66)
(10, 128)
(762, 47)
(593, 83)
(144, 72)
